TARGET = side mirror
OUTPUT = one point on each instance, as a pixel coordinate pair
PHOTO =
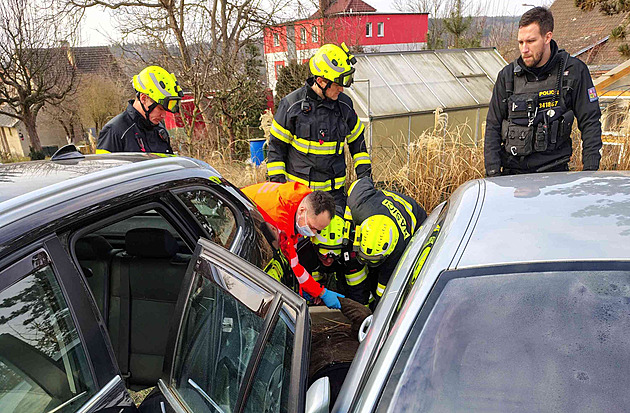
(365, 327)
(318, 396)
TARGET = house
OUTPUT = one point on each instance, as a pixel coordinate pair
(354, 22)
(12, 139)
(588, 35)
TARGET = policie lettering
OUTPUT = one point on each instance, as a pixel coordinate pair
(398, 216)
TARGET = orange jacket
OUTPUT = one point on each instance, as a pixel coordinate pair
(280, 203)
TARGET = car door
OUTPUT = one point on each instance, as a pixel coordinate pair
(241, 340)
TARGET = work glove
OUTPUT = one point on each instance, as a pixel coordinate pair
(331, 299)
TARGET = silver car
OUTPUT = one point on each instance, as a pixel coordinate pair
(514, 296)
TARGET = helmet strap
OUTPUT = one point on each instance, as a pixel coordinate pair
(149, 110)
(324, 89)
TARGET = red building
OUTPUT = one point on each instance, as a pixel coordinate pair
(354, 22)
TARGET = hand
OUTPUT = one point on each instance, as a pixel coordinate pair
(331, 299)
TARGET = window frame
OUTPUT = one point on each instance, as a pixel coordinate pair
(314, 34)
(303, 35)
(380, 29)
(368, 29)
(284, 300)
(276, 39)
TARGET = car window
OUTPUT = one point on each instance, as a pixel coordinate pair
(270, 389)
(548, 341)
(43, 365)
(215, 346)
(213, 214)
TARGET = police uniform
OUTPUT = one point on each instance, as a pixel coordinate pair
(130, 131)
(307, 142)
(365, 201)
(529, 122)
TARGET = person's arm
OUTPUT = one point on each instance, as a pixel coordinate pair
(279, 143)
(497, 111)
(108, 141)
(356, 144)
(306, 281)
(587, 113)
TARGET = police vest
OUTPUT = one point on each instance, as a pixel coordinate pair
(538, 120)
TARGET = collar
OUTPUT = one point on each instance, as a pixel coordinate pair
(139, 118)
(313, 96)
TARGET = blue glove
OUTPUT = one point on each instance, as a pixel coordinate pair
(331, 299)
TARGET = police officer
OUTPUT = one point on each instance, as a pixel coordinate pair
(534, 102)
(313, 122)
(385, 221)
(139, 127)
(328, 256)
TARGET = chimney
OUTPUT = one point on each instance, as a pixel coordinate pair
(323, 5)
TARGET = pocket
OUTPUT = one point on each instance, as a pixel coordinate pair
(540, 143)
(303, 130)
(519, 106)
(519, 140)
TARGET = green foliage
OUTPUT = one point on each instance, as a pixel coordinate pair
(619, 32)
(456, 23)
(624, 49)
(36, 155)
(608, 7)
(434, 42)
(291, 77)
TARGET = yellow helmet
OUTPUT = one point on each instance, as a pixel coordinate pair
(376, 239)
(330, 239)
(159, 85)
(333, 63)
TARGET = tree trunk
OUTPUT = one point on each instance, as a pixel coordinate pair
(31, 128)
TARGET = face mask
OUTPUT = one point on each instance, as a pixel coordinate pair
(305, 230)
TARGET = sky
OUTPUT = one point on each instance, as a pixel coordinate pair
(98, 25)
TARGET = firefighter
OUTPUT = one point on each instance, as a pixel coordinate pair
(336, 264)
(534, 102)
(385, 222)
(139, 128)
(313, 123)
(296, 211)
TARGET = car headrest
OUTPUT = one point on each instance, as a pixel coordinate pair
(150, 243)
(92, 247)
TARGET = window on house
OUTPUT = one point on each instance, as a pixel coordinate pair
(277, 65)
(276, 39)
(368, 30)
(302, 35)
(380, 27)
(314, 34)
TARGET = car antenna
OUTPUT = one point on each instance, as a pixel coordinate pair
(67, 152)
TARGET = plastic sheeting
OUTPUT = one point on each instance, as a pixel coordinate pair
(406, 83)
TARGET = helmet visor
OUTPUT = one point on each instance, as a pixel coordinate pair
(346, 79)
(370, 260)
(170, 103)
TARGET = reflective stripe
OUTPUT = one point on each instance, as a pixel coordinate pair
(361, 158)
(407, 206)
(269, 186)
(158, 86)
(331, 65)
(281, 133)
(101, 151)
(276, 168)
(356, 131)
(294, 261)
(162, 155)
(358, 277)
(317, 276)
(347, 214)
(318, 186)
(352, 186)
(315, 148)
(380, 289)
(303, 278)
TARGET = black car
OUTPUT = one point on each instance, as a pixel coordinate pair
(130, 271)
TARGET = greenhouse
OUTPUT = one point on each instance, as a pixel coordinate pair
(401, 95)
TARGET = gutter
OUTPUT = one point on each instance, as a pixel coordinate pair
(587, 48)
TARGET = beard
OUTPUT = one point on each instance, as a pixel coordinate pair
(535, 60)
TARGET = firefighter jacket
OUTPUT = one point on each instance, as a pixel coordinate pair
(307, 140)
(529, 122)
(130, 131)
(280, 203)
(365, 201)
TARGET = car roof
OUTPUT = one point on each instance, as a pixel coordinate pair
(35, 185)
(564, 216)
(17, 179)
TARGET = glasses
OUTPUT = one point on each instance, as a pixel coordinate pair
(346, 79)
(170, 103)
(370, 260)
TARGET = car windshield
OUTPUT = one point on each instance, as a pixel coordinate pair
(520, 342)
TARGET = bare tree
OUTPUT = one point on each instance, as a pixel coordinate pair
(34, 67)
(201, 41)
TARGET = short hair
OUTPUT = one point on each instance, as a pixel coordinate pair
(540, 15)
(322, 201)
